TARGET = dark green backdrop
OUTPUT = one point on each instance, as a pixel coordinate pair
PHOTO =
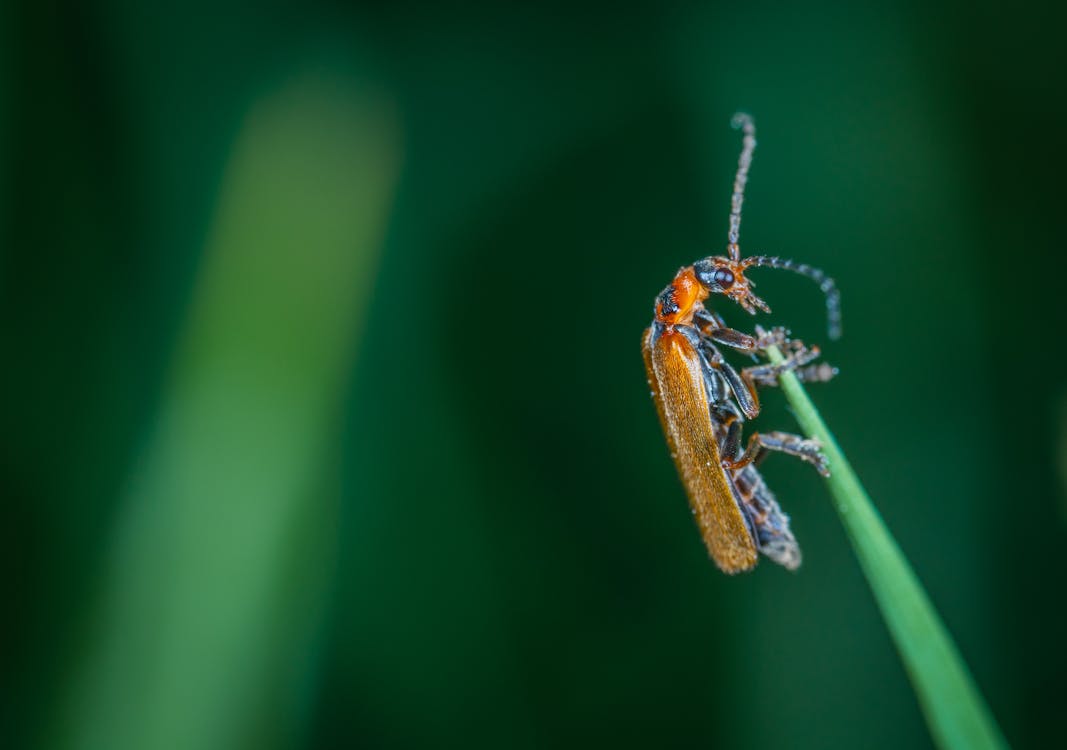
(324, 420)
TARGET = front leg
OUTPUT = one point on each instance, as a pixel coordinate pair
(717, 370)
(710, 324)
(797, 358)
(767, 376)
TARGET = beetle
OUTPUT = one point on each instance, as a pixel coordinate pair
(703, 401)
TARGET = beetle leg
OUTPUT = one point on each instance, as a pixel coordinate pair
(803, 448)
(819, 373)
(744, 389)
(707, 319)
(733, 338)
(742, 386)
(731, 444)
(727, 414)
(746, 343)
(770, 524)
(767, 375)
(712, 325)
(797, 355)
(714, 383)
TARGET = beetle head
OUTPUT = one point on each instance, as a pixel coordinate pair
(720, 275)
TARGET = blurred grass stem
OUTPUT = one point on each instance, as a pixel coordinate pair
(207, 630)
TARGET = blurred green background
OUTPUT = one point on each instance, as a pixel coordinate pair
(324, 419)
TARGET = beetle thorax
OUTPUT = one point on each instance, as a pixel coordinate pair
(676, 303)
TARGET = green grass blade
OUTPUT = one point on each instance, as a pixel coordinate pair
(206, 629)
(955, 711)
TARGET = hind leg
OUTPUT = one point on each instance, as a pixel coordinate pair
(769, 524)
(760, 443)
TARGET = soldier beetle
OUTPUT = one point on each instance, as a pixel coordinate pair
(703, 401)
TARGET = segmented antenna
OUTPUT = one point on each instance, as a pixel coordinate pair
(826, 284)
(748, 145)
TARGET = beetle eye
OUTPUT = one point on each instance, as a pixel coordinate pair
(723, 277)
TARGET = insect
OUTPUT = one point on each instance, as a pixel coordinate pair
(703, 401)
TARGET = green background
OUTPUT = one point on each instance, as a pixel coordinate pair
(324, 419)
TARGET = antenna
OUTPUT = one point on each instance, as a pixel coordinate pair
(826, 284)
(748, 145)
